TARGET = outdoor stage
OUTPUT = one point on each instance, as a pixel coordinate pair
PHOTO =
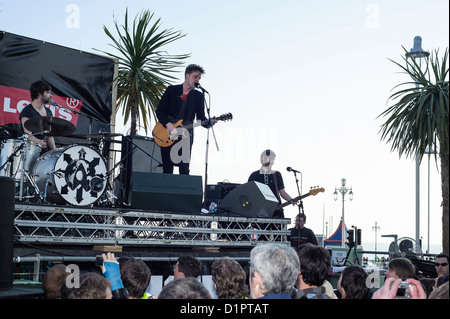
(80, 233)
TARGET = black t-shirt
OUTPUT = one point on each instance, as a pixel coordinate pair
(30, 112)
(172, 107)
(269, 181)
(306, 235)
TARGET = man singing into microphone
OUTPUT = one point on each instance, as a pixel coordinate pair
(273, 179)
(41, 94)
(181, 102)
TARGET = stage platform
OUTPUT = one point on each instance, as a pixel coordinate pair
(82, 231)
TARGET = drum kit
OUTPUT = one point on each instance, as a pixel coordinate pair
(75, 174)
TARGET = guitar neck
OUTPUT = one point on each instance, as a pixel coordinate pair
(195, 124)
(294, 199)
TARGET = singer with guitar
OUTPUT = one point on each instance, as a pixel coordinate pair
(273, 179)
(182, 102)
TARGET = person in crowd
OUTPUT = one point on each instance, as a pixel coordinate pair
(91, 286)
(300, 234)
(187, 266)
(184, 288)
(352, 283)
(230, 280)
(428, 284)
(315, 264)
(136, 276)
(274, 269)
(111, 270)
(401, 268)
(442, 268)
(53, 279)
(440, 292)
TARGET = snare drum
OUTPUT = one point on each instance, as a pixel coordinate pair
(13, 167)
(74, 174)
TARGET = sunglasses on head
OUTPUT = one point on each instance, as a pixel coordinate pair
(441, 264)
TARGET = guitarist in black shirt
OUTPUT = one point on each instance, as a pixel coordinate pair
(181, 102)
(273, 179)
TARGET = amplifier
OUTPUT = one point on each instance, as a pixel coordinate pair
(216, 193)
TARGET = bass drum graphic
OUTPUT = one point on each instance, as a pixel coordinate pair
(75, 175)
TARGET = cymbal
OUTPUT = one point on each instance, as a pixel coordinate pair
(100, 135)
(49, 125)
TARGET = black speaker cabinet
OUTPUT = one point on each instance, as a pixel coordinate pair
(252, 199)
(7, 185)
(166, 192)
(139, 154)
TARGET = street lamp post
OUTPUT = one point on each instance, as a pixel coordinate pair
(343, 190)
(429, 152)
(376, 228)
(417, 54)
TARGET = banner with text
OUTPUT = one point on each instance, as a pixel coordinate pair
(81, 83)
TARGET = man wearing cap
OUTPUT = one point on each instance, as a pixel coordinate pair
(271, 178)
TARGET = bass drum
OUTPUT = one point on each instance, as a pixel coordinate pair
(74, 175)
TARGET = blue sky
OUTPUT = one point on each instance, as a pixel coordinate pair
(305, 79)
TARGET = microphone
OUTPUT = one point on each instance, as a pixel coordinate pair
(198, 86)
(53, 103)
(290, 169)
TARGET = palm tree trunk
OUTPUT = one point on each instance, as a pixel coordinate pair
(445, 194)
(133, 107)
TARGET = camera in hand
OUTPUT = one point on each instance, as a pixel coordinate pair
(99, 260)
(403, 291)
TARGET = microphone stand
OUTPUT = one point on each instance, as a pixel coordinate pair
(300, 206)
(207, 140)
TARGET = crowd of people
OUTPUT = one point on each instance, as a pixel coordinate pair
(275, 272)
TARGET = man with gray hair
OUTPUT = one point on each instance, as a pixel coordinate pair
(273, 271)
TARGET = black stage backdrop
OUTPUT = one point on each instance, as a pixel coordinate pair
(81, 83)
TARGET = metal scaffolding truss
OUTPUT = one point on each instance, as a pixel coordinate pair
(75, 225)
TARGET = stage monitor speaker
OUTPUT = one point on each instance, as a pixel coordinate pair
(7, 186)
(252, 199)
(166, 192)
(139, 154)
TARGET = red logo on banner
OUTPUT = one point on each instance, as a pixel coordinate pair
(13, 100)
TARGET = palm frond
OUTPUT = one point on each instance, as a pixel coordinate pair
(145, 70)
(419, 118)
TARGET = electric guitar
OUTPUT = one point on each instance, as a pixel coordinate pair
(164, 139)
(313, 191)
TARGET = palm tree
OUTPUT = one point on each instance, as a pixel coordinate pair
(144, 69)
(420, 119)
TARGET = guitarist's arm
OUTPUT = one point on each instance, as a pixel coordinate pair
(164, 109)
(286, 197)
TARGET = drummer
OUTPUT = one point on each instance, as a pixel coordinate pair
(40, 95)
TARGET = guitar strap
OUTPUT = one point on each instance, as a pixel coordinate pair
(275, 181)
